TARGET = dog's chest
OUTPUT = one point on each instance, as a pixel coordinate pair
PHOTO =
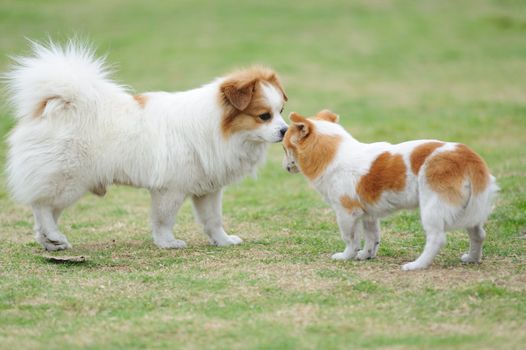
(226, 170)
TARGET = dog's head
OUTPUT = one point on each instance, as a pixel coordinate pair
(310, 144)
(253, 101)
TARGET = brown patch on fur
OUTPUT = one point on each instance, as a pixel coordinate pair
(291, 135)
(447, 171)
(40, 108)
(141, 100)
(387, 173)
(240, 122)
(313, 151)
(243, 100)
(274, 80)
(350, 204)
(248, 119)
(302, 127)
(328, 116)
(420, 154)
(39, 111)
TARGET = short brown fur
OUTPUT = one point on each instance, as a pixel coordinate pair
(420, 154)
(350, 204)
(447, 171)
(313, 151)
(40, 108)
(141, 100)
(243, 100)
(327, 115)
(387, 173)
(39, 111)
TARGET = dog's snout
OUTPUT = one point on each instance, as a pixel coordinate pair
(283, 131)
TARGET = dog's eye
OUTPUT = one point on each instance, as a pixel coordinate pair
(265, 116)
(281, 110)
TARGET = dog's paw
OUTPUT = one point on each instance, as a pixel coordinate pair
(228, 240)
(363, 255)
(340, 256)
(413, 266)
(235, 239)
(171, 244)
(57, 242)
(56, 245)
(466, 258)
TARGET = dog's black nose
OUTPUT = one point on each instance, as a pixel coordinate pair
(283, 131)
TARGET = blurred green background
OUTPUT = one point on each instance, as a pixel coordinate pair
(393, 70)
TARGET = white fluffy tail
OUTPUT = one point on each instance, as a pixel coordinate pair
(481, 205)
(55, 77)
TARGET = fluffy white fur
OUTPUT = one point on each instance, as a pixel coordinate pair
(92, 133)
(353, 160)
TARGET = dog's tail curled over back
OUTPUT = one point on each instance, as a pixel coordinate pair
(58, 80)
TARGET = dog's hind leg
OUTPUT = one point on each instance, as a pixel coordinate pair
(434, 225)
(476, 238)
(208, 211)
(435, 240)
(165, 205)
(46, 229)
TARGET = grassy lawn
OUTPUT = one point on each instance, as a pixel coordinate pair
(393, 70)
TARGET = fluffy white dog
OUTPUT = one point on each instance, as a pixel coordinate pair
(78, 131)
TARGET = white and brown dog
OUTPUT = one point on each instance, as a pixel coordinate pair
(78, 131)
(364, 182)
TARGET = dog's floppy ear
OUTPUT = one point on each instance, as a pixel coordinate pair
(327, 115)
(302, 124)
(238, 93)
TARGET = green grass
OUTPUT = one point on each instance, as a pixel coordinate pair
(394, 70)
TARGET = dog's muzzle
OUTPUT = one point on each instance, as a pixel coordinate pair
(293, 169)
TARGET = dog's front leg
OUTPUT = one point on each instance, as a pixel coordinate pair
(208, 211)
(47, 232)
(165, 205)
(348, 224)
(371, 228)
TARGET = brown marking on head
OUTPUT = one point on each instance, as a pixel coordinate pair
(328, 116)
(141, 100)
(387, 173)
(242, 98)
(313, 151)
(274, 80)
(447, 171)
(302, 127)
(420, 154)
(352, 205)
